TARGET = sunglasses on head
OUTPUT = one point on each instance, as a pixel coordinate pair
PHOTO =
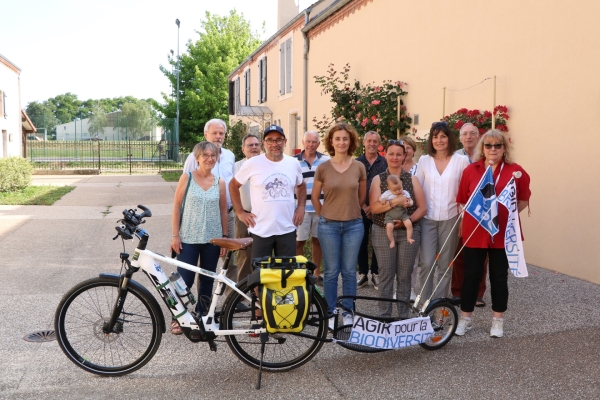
(396, 142)
(496, 146)
(439, 124)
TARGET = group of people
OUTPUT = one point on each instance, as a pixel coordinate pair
(412, 212)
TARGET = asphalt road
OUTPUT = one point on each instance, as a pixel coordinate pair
(549, 351)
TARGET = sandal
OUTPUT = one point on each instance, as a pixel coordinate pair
(175, 328)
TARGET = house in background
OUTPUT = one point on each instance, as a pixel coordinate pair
(15, 125)
(545, 63)
(117, 128)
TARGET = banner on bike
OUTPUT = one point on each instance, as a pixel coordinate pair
(513, 245)
(393, 335)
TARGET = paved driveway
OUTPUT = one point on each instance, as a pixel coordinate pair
(550, 349)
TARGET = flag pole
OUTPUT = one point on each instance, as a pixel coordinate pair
(451, 230)
(451, 263)
(417, 299)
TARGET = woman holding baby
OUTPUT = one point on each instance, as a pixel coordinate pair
(395, 262)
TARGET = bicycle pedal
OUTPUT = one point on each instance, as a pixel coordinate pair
(254, 335)
(212, 345)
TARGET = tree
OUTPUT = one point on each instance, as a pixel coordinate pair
(68, 107)
(98, 120)
(138, 119)
(43, 116)
(223, 44)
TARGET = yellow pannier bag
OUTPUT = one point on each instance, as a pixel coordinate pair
(285, 290)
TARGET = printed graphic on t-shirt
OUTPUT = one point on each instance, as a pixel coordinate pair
(277, 187)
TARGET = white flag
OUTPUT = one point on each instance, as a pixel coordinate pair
(513, 245)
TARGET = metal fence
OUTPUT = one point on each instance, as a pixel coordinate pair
(107, 155)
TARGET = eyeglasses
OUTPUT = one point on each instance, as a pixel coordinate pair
(496, 146)
(252, 145)
(271, 142)
(469, 133)
(439, 124)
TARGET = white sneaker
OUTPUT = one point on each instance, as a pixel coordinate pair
(413, 295)
(348, 319)
(497, 330)
(464, 325)
(331, 323)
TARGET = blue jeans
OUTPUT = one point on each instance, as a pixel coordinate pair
(340, 241)
(209, 257)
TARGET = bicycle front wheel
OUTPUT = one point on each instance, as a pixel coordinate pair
(81, 315)
(444, 320)
(283, 351)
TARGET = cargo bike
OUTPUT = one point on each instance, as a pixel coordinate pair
(112, 325)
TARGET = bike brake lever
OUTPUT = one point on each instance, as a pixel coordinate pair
(115, 238)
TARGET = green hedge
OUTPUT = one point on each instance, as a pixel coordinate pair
(15, 174)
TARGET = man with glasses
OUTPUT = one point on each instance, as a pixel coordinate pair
(468, 136)
(250, 148)
(374, 164)
(273, 179)
(309, 160)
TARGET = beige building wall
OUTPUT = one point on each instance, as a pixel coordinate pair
(546, 62)
(286, 108)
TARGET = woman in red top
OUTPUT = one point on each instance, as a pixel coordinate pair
(493, 149)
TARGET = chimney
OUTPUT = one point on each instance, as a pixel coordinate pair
(286, 11)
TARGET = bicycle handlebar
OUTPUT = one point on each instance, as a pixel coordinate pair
(130, 222)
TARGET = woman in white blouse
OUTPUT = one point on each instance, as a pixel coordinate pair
(439, 173)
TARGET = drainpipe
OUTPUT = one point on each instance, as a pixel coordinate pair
(305, 84)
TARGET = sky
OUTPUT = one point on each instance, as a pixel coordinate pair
(109, 48)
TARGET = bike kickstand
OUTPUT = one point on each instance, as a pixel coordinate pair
(264, 337)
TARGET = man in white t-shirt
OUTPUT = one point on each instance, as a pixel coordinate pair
(250, 148)
(273, 178)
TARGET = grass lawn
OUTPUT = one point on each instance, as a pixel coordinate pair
(171, 176)
(35, 195)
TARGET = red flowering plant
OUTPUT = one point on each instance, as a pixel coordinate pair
(367, 107)
(482, 120)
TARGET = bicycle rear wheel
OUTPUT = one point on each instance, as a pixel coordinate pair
(283, 351)
(444, 320)
(79, 320)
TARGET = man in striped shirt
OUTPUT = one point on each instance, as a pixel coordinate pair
(310, 159)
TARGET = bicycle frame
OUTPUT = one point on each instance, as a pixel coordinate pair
(148, 261)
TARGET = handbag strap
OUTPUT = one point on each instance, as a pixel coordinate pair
(184, 197)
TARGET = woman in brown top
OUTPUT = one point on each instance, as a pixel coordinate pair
(397, 262)
(344, 184)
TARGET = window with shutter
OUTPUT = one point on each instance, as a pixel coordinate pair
(259, 65)
(282, 68)
(288, 65)
(231, 99)
(2, 104)
(237, 96)
(264, 80)
(247, 83)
